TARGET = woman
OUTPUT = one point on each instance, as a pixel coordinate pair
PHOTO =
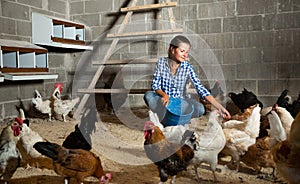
(169, 81)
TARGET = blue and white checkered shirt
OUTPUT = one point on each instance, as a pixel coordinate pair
(175, 85)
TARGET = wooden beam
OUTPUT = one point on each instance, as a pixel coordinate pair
(145, 33)
(131, 91)
(127, 61)
(149, 7)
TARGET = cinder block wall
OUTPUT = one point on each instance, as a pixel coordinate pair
(255, 41)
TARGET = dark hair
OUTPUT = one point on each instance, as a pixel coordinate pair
(176, 41)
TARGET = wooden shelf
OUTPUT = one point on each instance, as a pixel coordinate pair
(131, 91)
(145, 33)
(55, 32)
(128, 61)
(149, 7)
(20, 60)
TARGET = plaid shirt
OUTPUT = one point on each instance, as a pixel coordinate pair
(175, 85)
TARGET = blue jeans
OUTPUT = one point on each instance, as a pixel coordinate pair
(153, 101)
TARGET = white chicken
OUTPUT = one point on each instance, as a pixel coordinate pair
(285, 117)
(239, 138)
(63, 107)
(210, 143)
(30, 156)
(41, 105)
(10, 157)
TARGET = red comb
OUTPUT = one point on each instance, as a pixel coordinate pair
(19, 120)
(59, 85)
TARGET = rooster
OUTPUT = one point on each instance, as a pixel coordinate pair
(286, 150)
(245, 99)
(41, 105)
(210, 143)
(28, 137)
(240, 135)
(73, 163)
(62, 107)
(10, 157)
(170, 158)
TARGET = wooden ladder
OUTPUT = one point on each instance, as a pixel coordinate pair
(116, 37)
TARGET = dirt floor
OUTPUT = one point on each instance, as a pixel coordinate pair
(120, 147)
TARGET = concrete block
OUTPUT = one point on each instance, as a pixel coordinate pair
(229, 72)
(88, 19)
(219, 41)
(285, 6)
(27, 89)
(10, 26)
(213, 10)
(247, 55)
(76, 8)
(275, 87)
(58, 6)
(10, 109)
(245, 23)
(188, 12)
(56, 60)
(256, 71)
(8, 92)
(253, 39)
(208, 26)
(38, 4)
(24, 28)
(93, 6)
(252, 7)
(14, 10)
(281, 54)
(289, 71)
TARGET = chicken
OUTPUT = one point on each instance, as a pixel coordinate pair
(245, 99)
(240, 135)
(259, 155)
(63, 107)
(286, 151)
(75, 140)
(285, 101)
(41, 105)
(10, 157)
(170, 158)
(210, 143)
(285, 117)
(73, 163)
(28, 137)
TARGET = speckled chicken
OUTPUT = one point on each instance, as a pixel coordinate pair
(10, 157)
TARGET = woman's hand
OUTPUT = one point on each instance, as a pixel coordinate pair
(165, 100)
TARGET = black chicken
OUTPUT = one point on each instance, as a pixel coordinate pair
(284, 101)
(245, 99)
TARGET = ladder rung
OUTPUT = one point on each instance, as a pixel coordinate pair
(131, 91)
(128, 61)
(149, 7)
(145, 33)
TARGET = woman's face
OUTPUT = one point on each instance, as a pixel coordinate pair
(181, 52)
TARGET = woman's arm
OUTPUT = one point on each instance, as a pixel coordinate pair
(164, 97)
(218, 106)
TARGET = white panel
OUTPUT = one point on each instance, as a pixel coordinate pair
(41, 29)
(41, 60)
(69, 33)
(26, 60)
(80, 34)
(58, 31)
(9, 59)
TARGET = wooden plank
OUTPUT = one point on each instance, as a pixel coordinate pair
(22, 70)
(68, 41)
(128, 61)
(111, 91)
(149, 7)
(145, 33)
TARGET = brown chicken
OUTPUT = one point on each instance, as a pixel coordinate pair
(170, 158)
(286, 154)
(73, 163)
(10, 157)
(259, 155)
